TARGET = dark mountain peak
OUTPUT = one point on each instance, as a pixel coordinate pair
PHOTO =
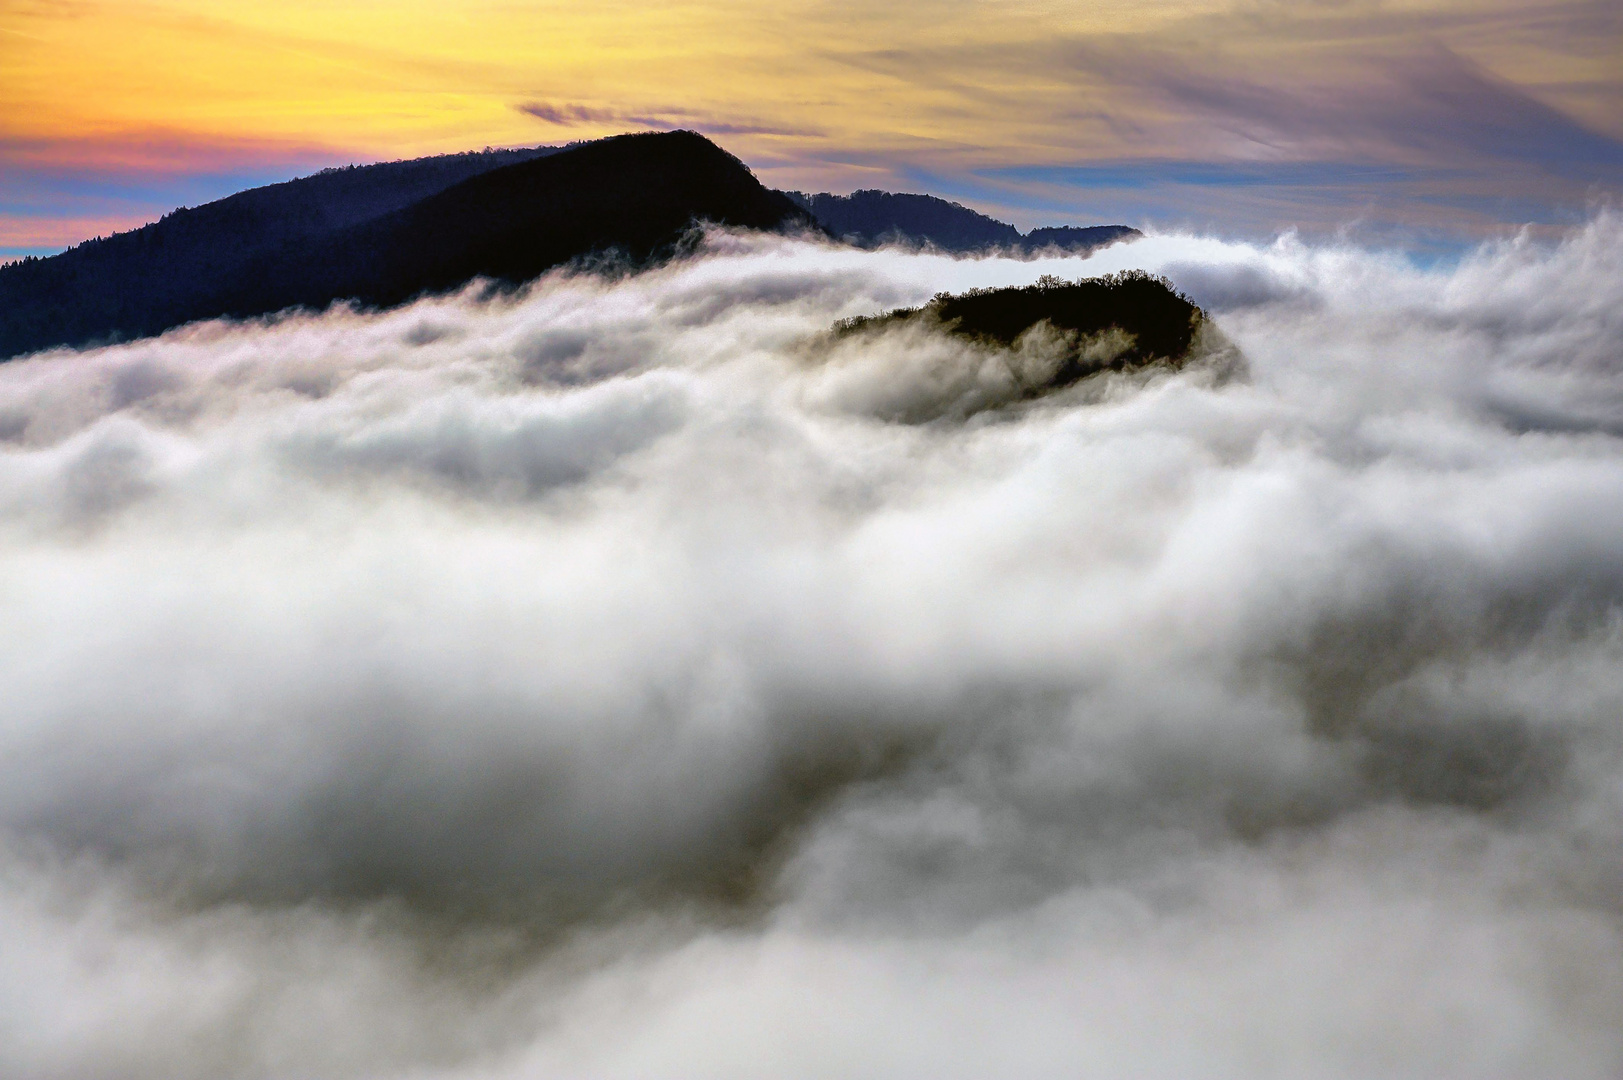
(381, 234)
(636, 195)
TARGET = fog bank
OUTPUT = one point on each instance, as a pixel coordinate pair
(609, 681)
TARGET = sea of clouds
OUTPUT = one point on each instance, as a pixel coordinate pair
(624, 678)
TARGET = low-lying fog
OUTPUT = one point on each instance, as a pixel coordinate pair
(601, 682)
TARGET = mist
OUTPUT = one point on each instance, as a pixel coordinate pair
(624, 677)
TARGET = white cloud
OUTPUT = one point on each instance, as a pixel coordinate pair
(598, 682)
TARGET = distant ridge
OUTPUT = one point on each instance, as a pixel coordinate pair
(384, 234)
(1077, 238)
(871, 218)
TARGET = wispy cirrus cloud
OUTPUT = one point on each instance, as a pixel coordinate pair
(577, 115)
(1174, 126)
(158, 152)
(569, 115)
(1432, 107)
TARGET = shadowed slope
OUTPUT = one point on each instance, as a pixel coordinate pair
(633, 194)
(245, 256)
(160, 275)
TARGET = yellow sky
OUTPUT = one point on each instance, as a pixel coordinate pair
(411, 76)
(414, 76)
(814, 94)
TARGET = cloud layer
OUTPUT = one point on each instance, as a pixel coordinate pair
(600, 681)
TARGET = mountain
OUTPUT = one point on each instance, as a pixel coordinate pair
(383, 234)
(161, 275)
(1114, 322)
(871, 218)
(874, 217)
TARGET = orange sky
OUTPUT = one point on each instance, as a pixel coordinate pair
(1037, 110)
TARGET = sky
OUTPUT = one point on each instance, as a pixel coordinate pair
(1451, 116)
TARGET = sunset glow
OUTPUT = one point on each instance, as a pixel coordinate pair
(1459, 114)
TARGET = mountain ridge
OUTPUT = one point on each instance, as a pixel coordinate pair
(429, 225)
(382, 234)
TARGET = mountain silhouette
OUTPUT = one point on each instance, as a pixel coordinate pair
(871, 218)
(383, 234)
(169, 272)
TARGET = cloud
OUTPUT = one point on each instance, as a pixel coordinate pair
(597, 681)
(1431, 107)
(1137, 174)
(155, 154)
(1319, 117)
(574, 115)
(568, 115)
